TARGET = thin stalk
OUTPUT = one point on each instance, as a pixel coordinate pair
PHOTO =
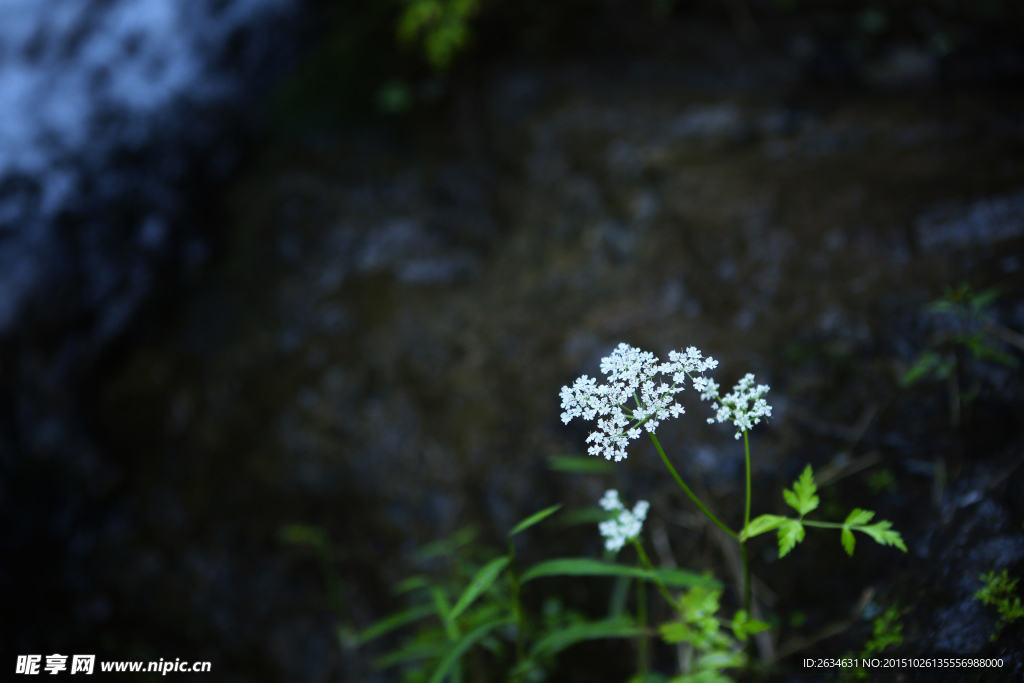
(662, 588)
(641, 617)
(688, 492)
(746, 523)
(821, 525)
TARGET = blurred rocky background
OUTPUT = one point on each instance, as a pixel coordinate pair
(315, 271)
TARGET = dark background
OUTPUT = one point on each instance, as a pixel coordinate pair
(263, 264)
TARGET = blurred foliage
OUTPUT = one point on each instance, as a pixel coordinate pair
(368, 57)
(1000, 591)
(886, 630)
(469, 621)
(967, 334)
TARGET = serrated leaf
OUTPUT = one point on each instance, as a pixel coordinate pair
(481, 582)
(463, 644)
(803, 497)
(881, 532)
(676, 632)
(760, 525)
(858, 517)
(848, 541)
(743, 626)
(616, 627)
(790, 533)
(534, 519)
(579, 464)
(388, 624)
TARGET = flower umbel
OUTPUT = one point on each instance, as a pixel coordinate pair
(626, 525)
(744, 406)
(632, 375)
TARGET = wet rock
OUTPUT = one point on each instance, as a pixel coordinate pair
(959, 225)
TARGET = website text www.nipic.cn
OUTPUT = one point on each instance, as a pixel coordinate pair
(30, 665)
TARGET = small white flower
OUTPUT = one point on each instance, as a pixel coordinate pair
(744, 406)
(626, 525)
(631, 397)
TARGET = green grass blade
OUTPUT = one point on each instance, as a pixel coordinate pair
(580, 566)
(481, 582)
(616, 627)
(388, 624)
(534, 519)
(576, 464)
(463, 644)
(411, 653)
(680, 578)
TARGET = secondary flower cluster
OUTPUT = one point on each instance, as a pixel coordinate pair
(633, 376)
(626, 525)
(744, 406)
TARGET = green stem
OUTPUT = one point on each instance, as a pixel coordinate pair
(517, 608)
(746, 523)
(641, 616)
(688, 492)
(823, 525)
(662, 588)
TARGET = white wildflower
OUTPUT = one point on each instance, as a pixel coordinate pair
(626, 525)
(632, 376)
(744, 406)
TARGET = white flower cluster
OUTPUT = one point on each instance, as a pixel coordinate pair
(631, 375)
(626, 525)
(744, 406)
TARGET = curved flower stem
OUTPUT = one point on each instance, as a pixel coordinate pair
(687, 491)
(646, 562)
(746, 523)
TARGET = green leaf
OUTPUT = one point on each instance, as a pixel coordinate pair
(582, 566)
(616, 627)
(984, 299)
(760, 525)
(858, 517)
(395, 621)
(579, 464)
(803, 497)
(587, 515)
(848, 541)
(447, 546)
(463, 644)
(720, 660)
(305, 534)
(882, 533)
(922, 367)
(481, 582)
(410, 653)
(743, 625)
(676, 632)
(790, 533)
(680, 578)
(534, 519)
(411, 584)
